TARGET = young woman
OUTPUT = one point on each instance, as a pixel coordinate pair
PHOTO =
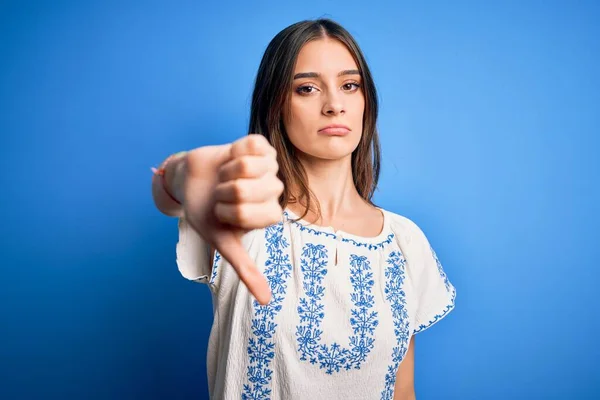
(317, 293)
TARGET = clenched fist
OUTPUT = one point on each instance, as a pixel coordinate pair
(228, 191)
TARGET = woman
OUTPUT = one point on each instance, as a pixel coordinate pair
(317, 292)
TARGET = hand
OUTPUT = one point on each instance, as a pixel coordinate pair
(230, 190)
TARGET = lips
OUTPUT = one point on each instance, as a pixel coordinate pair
(335, 130)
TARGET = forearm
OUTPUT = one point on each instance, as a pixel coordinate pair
(405, 393)
(168, 189)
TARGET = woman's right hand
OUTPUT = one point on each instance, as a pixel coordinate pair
(228, 191)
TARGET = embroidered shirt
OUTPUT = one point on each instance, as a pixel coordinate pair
(342, 312)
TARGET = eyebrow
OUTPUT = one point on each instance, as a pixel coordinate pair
(316, 74)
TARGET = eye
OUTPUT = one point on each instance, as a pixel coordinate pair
(351, 86)
(306, 89)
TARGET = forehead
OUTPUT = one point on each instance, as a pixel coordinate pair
(324, 56)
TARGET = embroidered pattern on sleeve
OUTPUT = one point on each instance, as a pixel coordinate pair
(215, 266)
(440, 269)
(449, 288)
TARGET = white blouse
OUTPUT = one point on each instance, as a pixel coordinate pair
(342, 312)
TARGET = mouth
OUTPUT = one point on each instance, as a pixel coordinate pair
(335, 130)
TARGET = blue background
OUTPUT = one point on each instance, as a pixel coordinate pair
(490, 116)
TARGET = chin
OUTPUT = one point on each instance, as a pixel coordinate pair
(332, 152)
(326, 148)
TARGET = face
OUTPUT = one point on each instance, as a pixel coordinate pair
(327, 102)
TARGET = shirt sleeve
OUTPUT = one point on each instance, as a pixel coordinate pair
(436, 294)
(193, 254)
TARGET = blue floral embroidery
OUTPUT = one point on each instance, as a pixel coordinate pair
(316, 232)
(312, 231)
(440, 269)
(261, 347)
(215, 266)
(394, 293)
(437, 317)
(370, 246)
(449, 307)
(311, 311)
(449, 288)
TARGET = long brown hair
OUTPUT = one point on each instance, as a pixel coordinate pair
(271, 97)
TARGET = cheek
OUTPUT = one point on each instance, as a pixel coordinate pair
(301, 119)
(359, 106)
(357, 111)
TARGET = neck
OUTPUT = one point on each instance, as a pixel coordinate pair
(333, 186)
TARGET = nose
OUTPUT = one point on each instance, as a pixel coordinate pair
(333, 105)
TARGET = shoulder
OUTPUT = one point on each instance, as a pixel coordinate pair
(413, 242)
(405, 229)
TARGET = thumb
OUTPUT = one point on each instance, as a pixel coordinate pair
(229, 245)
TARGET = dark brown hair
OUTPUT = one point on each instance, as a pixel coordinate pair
(271, 97)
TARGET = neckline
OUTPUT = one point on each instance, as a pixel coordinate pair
(385, 231)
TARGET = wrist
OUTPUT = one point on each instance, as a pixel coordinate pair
(169, 178)
(174, 177)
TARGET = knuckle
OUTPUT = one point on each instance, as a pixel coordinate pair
(273, 151)
(219, 211)
(239, 191)
(222, 173)
(275, 189)
(254, 142)
(241, 215)
(244, 166)
(280, 186)
(273, 165)
(261, 143)
(237, 146)
(261, 139)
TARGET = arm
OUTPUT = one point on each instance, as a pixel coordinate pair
(221, 193)
(167, 190)
(405, 377)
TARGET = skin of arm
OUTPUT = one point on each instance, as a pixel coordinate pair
(405, 377)
(172, 181)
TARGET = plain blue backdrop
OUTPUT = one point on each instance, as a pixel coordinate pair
(490, 119)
